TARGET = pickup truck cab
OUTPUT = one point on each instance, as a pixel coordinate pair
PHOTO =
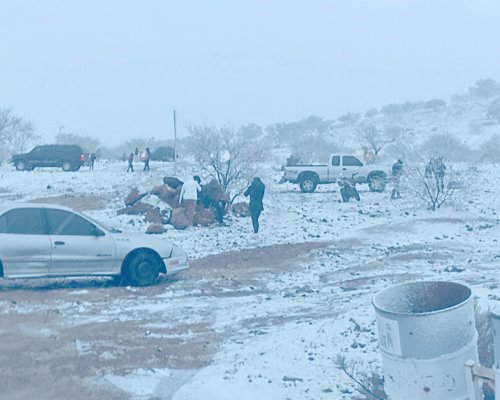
(340, 166)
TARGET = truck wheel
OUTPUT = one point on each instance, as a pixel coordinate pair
(308, 184)
(21, 165)
(377, 183)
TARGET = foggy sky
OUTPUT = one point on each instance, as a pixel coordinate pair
(116, 69)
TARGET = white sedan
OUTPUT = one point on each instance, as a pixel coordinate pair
(39, 240)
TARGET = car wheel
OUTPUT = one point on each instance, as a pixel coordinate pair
(20, 165)
(67, 166)
(143, 270)
(308, 184)
(377, 183)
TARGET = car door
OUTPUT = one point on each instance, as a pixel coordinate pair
(350, 165)
(334, 168)
(39, 156)
(79, 247)
(25, 245)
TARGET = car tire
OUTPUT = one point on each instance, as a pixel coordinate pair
(308, 184)
(67, 166)
(142, 270)
(21, 165)
(377, 183)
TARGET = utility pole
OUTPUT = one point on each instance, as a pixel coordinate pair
(60, 134)
(175, 145)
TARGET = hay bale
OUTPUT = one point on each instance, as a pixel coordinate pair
(241, 209)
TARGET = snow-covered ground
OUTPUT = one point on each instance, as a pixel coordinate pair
(277, 329)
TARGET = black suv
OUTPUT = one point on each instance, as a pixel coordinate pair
(69, 157)
(163, 153)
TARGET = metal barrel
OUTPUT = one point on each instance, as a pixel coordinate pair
(426, 333)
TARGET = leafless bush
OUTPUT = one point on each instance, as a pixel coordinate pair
(228, 155)
(376, 138)
(16, 134)
(429, 184)
(370, 384)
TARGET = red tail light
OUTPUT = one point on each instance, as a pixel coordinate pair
(82, 157)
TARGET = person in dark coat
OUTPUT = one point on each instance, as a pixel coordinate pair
(130, 162)
(256, 192)
(397, 171)
(92, 161)
(212, 195)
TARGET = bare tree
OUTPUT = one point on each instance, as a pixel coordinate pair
(376, 138)
(7, 122)
(23, 137)
(228, 155)
(16, 133)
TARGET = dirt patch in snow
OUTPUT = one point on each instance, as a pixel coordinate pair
(60, 338)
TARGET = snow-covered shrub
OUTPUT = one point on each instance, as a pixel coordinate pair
(349, 118)
(493, 111)
(484, 88)
(435, 104)
(490, 150)
(372, 112)
(447, 146)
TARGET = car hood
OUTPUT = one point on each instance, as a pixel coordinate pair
(129, 241)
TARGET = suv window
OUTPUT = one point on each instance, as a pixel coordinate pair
(37, 150)
(68, 224)
(335, 161)
(23, 221)
(350, 161)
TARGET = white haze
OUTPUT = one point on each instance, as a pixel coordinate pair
(117, 69)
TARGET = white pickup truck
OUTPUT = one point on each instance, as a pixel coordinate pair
(340, 167)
